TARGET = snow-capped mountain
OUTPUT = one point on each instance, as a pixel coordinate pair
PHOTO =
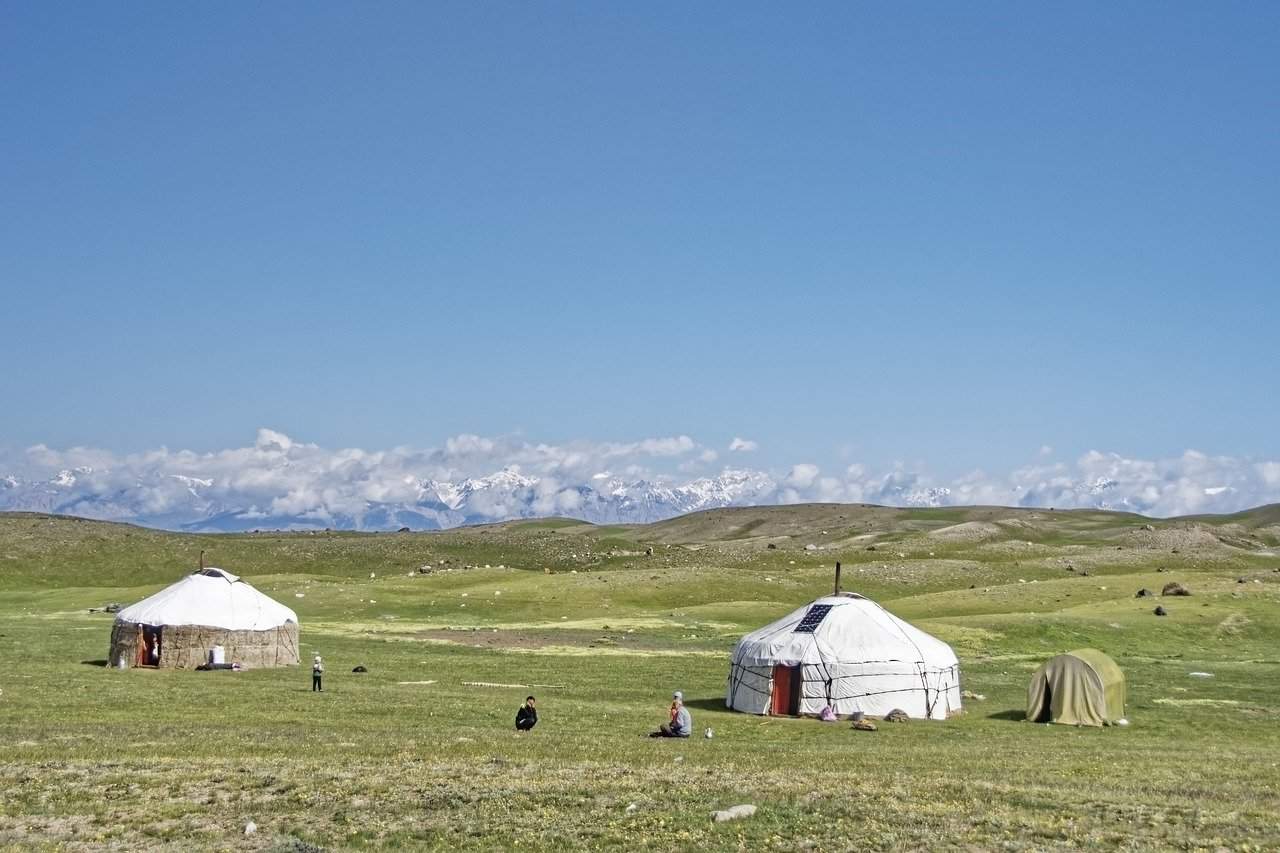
(360, 493)
(181, 502)
(503, 485)
(277, 482)
(641, 501)
(931, 497)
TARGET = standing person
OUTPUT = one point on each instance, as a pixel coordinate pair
(317, 670)
(681, 724)
(527, 716)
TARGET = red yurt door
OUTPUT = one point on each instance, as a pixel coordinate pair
(786, 691)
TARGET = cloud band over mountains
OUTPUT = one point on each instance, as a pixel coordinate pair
(278, 481)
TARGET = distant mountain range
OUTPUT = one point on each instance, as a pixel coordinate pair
(198, 505)
(179, 502)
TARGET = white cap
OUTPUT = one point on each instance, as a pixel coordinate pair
(678, 695)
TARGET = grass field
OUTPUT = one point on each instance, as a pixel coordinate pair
(92, 757)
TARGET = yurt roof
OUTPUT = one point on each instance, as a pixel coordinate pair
(845, 627)
(210, 597)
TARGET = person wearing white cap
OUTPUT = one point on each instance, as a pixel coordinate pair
(681, 724)
(317, 670)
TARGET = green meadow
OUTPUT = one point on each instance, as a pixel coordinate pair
(602, 624)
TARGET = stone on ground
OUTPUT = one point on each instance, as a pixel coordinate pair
(734, 813)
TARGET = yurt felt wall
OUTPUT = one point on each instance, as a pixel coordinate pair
(207, 608)
(188, 646)
(846, 652)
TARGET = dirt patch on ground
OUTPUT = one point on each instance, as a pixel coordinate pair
(37, 831)
(1184, 537)
(968, 531)
(535, 640)
(1023, 525)
(1233, 624)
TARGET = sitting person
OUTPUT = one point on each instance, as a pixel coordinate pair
(681, 723)
(527, 716)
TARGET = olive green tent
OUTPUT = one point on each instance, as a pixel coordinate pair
(1080, 688)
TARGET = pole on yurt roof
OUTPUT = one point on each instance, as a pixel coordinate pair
(837, 592)
(202, 561)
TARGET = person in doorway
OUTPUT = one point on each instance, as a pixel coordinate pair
(317, 670)
(680, 724)
(155, 650)
(527, 716)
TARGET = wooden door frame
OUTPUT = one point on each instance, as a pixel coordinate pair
(157, 633)
(791, 701)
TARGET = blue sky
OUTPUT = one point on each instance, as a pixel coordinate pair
(847, 232)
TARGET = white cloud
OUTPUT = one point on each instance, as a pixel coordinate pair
(699, 462)
(270, 441)
(802, 476)
(676, 446)
(743, 445)
(466, 444)
(279, 476)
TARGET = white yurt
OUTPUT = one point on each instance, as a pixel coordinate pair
(848, 652)
(208, 616)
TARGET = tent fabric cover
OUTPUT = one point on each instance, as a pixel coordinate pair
(1080, 688)
(213, 598)
(859, 657)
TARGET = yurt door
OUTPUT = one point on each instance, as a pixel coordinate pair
(786, 691)
(151, 647)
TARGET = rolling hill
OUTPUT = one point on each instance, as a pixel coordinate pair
(602, 622)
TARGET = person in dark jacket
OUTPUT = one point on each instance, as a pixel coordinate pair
(527, 716)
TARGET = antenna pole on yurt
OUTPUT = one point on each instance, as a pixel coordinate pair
(837, 592)
(202, 561)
